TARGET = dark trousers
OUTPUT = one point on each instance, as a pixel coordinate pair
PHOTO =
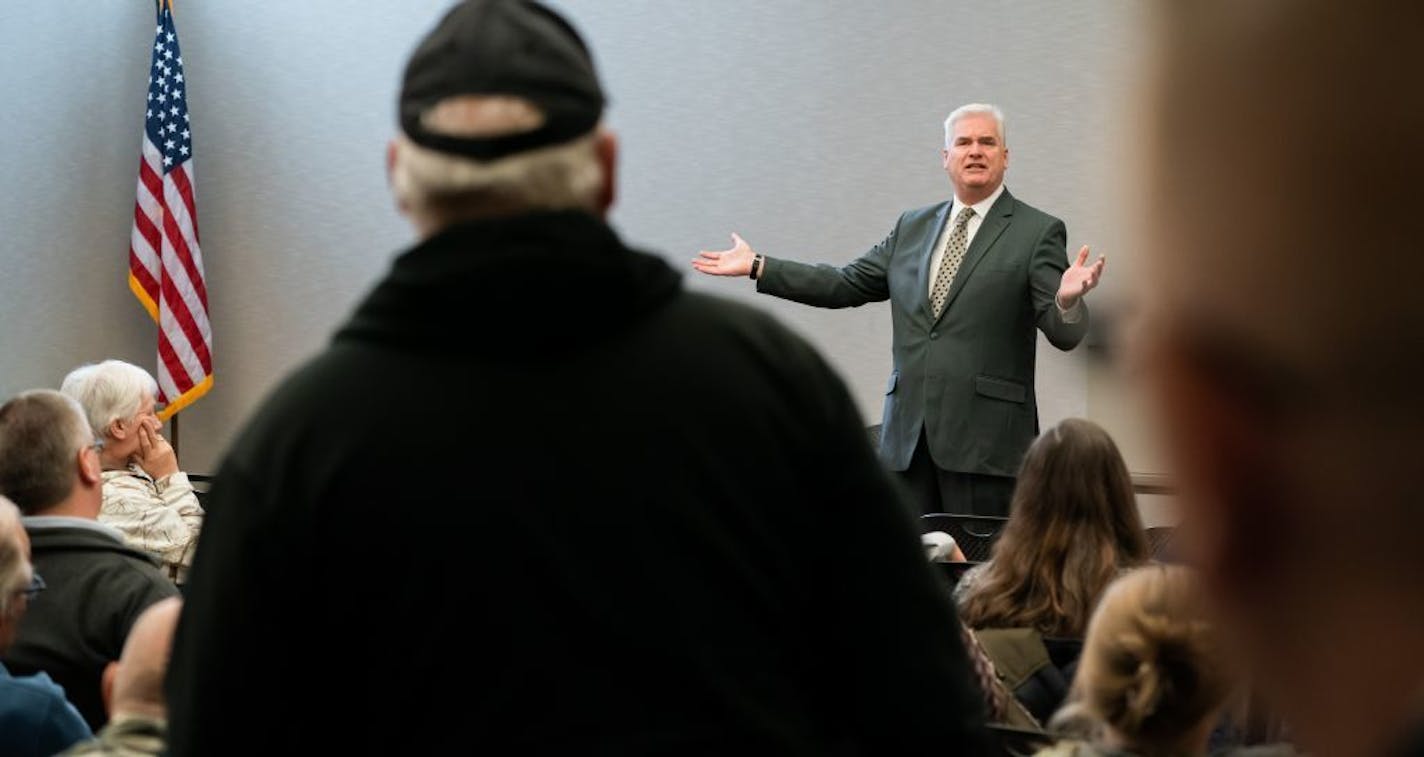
(943, 491)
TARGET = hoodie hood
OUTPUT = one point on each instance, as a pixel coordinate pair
(540, 283)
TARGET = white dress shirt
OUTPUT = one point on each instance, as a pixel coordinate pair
(981, 209)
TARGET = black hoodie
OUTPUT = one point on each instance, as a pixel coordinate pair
(537, 497)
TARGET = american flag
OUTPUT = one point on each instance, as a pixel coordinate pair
(165, 265)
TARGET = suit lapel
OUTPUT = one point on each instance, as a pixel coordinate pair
(926, 256)
(998, 220)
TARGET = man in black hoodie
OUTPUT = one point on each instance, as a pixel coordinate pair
(96, 586)
(535, 497)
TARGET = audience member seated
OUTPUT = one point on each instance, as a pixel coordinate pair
(146, 496)
(1073, 527)
(133, 688)
(1153, 678)
(35, 718)
(97, 585)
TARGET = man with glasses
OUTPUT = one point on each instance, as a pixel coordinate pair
(97, 585)
(36, 718)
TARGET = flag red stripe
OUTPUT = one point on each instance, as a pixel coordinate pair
(179, 176)
(151, 180)
(178, 309)
(141, 273)
(194, 276)
(180, 242)
(173, 302)
(146, 229)
(169, 362)
(180, 251)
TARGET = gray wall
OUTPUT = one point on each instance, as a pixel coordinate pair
(806, 127)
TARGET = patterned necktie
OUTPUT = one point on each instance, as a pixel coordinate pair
(953, 256)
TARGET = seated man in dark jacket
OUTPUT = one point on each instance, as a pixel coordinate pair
(95, 585)
(35, 718)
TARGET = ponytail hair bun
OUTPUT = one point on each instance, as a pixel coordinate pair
(1153, 667)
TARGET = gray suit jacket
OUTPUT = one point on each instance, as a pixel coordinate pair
(967, 376)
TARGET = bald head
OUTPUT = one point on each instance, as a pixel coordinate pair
(138, 681)
(15, 572)
(14, 555)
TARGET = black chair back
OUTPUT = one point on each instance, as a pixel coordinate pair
(953, 571)
(1019, 742)
(1159, 542)
(202, 486)
(975, 534)
(1064, 652)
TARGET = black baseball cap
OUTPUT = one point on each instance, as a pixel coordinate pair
(502, 48)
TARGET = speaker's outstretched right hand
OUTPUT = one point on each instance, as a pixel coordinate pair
(736, 261)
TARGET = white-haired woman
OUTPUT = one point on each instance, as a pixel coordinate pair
(146, 496)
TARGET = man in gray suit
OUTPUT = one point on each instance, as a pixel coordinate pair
(968, 281)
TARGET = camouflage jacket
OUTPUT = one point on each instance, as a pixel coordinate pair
(126, 736)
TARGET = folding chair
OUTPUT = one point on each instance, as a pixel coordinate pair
(975, 534)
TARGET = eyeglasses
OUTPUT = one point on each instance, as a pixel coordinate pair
(35, 586)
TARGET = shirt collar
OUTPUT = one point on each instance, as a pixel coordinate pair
(132, 470)
(69, 521)
(981, 208)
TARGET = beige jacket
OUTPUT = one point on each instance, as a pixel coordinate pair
(159, 516)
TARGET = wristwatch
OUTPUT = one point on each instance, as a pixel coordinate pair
(757, 263)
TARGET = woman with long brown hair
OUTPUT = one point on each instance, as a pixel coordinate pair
(1073, 527)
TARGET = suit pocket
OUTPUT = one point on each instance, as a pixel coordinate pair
(1000, 389)
(894, 381)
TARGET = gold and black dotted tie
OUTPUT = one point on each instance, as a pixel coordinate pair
(953, 256)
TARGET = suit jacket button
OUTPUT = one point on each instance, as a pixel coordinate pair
(934, 334)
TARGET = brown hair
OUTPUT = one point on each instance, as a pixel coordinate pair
(1153, 667)
(41, 434)
(1073, 527)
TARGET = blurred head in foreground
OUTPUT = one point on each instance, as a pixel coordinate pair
(1285, 343)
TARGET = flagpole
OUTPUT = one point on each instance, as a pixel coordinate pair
(172, 422)
(173, 433)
